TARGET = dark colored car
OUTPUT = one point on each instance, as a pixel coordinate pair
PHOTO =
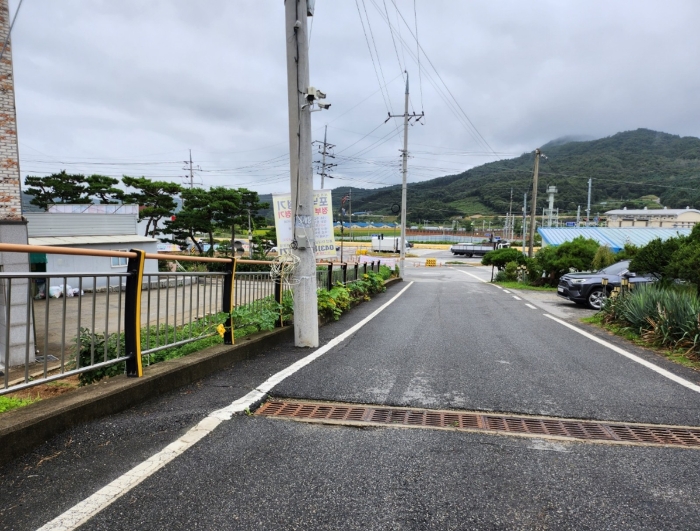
(587, 289)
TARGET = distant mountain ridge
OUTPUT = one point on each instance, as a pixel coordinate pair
(624, 167)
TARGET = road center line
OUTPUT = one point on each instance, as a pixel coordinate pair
(467, 273)
(89, 507)
(531, 306)
(637, 359)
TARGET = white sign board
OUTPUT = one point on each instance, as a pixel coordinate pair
(324, 239)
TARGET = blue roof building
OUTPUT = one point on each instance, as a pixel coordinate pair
(615, 238)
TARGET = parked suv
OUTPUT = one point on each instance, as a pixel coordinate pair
(587, 289)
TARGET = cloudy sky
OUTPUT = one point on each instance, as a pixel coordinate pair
(128, 86)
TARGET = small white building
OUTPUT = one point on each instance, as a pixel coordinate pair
(111, 230)
(667, 218)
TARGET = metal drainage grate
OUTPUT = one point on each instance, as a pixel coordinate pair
(573, 429)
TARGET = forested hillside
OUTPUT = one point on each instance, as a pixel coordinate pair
(624, 167)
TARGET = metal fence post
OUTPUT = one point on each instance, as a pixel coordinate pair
(227, 301)
(330, 276)
(132, 313)
(344, 267)
(357, 270)
(278, 298)
(365, 266)
(378, 262)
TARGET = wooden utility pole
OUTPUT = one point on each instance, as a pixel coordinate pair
(533, 204)
(301, 175)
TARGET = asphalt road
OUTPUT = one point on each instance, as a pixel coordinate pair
(449, 341)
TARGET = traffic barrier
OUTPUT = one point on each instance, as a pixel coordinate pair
(430, 262)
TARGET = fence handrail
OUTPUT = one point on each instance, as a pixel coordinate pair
(136, 283)
(47, 249)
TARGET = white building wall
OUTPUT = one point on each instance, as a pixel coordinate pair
(69, 264)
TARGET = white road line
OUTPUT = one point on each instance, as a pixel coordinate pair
(530, 306)
(89, 507)
(641, 361)
(506, 291)
(517, 298)
(467, 273)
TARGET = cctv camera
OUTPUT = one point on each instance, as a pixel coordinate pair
(324, 104)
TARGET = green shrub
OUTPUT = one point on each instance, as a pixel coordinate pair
(603, 258)
(385, 272)
(576, 255)
(662, 316)
(500, 257)
(511, 271)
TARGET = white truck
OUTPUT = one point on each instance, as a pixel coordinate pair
(388, 244)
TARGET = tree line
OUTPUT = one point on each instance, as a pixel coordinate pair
(202, 212)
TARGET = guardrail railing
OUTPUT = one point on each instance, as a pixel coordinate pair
(55, 325)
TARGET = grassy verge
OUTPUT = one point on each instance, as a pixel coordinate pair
(519, 285)
(681, 357)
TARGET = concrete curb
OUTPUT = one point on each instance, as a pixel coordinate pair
(26, 428)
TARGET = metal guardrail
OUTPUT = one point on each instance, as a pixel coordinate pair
(68, 324)
(56, 325)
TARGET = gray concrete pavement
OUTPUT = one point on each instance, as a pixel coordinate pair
(449, 341)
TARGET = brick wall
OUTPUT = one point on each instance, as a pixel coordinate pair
(10, 202)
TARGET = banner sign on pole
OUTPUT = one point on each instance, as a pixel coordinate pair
(324, 238)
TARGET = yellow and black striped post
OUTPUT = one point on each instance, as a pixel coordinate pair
(227, 303)
(132, 313)
(279, 294)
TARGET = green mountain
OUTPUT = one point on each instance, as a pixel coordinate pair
(634, 169)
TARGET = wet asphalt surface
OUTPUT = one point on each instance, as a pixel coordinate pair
(448, 342)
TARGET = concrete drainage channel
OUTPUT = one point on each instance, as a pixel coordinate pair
(541, 427)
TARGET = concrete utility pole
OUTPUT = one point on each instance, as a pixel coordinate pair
(533, 207)
(511, 227)
(588, 208)
(524, 219)
(301, 175)
(250, 237)
(324, 151)
(404, 171)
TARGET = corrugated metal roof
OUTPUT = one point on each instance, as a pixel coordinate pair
(613, 237)
(87, 240)
(652, 211)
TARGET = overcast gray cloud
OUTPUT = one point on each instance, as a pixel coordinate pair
(128, 87)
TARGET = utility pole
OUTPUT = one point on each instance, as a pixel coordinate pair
(404, 171)
(191, 172)
(524, 219)
(533, 207)
(588, 208)
(189, 166)
(324, 151)
(578, 215)
(301, 174)
(250, 237)
(511, 227)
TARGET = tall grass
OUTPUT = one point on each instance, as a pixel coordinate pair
(663, 316)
